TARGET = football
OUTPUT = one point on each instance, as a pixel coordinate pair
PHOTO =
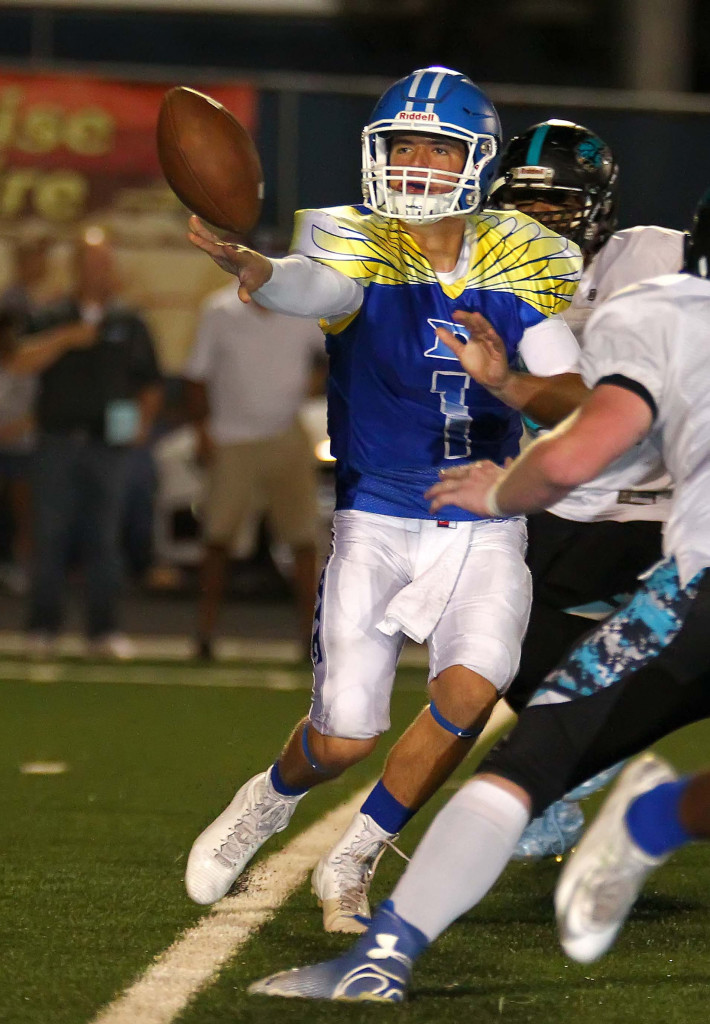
(209, 160)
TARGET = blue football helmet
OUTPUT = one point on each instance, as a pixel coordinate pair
(431, 101)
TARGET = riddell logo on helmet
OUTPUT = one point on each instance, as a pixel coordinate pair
(521, 173)
(416, 115)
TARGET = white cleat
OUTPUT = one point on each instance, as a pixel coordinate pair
(342, 877)
(600, 882)
(220, 854)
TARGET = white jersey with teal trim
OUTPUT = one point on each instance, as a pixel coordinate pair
(629, 256)
(400, 405)
(655, 336)
(637, 485)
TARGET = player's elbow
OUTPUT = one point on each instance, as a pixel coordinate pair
(563, 467)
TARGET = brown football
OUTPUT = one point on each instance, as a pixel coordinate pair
(209, 160)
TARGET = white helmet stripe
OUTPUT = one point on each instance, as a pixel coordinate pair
(412, 94)
(433, 91)
(431, 95)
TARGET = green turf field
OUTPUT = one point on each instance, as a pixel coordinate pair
(93, 858)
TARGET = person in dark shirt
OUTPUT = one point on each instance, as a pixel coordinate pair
(25, 290)
(93, 404)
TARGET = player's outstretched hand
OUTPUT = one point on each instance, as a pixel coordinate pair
(466, 487)
(252, 269)
(484, 357)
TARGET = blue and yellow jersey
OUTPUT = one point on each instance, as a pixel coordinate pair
(400, 406)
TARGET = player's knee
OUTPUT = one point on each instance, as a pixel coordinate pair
(462, 698)
(353, 713)
(540, 756)
(337, 753)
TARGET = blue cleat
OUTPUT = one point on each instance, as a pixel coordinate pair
(377, 969)
(557, 830)
(597, 782)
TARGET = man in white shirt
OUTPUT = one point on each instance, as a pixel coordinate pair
(641, 674)
(248, 376)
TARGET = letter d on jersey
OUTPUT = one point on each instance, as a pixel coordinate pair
(439, 349)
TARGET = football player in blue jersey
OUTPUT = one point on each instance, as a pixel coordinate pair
(640, 675)
(385, 277)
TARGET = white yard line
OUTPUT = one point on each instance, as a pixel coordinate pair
(194, 959)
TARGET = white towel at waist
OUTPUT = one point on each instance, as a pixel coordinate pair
(417, 608)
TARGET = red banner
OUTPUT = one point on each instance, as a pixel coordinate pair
(77, 150)
(70, 144)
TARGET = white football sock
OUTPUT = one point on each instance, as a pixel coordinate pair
(461, 855)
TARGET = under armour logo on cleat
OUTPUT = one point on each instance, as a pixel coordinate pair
(386, 949)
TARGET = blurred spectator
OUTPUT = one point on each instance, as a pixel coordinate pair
(17, 391)
(27, 292)
(247, 376)
(137, 521)
(93, 405)
(16, 439)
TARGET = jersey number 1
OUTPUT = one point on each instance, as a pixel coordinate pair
(452, 387)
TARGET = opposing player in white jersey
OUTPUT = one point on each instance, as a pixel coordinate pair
(384, 276)
(586, 552)
(641, 674)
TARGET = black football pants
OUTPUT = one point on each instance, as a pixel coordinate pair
(555, 746)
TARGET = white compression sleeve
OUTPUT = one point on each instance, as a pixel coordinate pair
(550, 347)
(301, 287)
(465, 849)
